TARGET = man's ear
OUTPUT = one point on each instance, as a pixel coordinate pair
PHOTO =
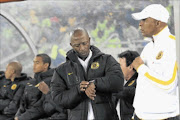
(13, 71)
(46, 65)
(158, 23)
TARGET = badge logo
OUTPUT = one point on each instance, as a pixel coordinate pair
(70, 73)
(13, 87)
(131, 83)
(95, 65)
(159, 56)
(37, 85)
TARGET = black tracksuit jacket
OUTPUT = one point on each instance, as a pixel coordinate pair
(2, 79)
(102, 68)
(11, 93)
(35, 104)
(126, 97)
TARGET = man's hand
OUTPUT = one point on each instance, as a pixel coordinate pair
(16, 118)
(137, 62)
(90, 91)
(83, 85)
(43, 87)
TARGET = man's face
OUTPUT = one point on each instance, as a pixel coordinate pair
(148, 27)
(125, 69)
(81, 44)
(38, 65)
(9, 72)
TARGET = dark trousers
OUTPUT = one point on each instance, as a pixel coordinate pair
(172, 118)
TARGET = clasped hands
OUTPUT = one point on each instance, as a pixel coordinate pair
(137, 62)
(43, 87)
(88, 88)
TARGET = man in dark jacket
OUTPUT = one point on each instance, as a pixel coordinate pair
(85, 82)
(2, 78)
(36, 101)
(12, 90)
(130, 75)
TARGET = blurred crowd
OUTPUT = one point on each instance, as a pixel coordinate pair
(49, 23)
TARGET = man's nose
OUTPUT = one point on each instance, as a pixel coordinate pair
(81, 47)
(140, 23)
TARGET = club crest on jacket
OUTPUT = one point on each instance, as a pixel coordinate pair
(159, 56)
(95, 65)
(13, 87)
(131, 83)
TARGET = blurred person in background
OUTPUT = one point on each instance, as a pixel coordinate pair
(126, 96)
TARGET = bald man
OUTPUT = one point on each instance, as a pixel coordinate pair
(12, 90)
(85, 82)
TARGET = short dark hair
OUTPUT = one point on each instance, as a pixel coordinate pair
(79, 30)
(129, 55)
(45, 58)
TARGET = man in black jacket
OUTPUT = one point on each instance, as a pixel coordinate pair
(2, 78)
(85, 82)
(130, 75)
(36, 101)
(12, 90)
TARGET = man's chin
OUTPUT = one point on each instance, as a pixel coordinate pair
(83, 56)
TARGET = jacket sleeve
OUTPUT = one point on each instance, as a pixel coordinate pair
(32, 113)
(128, 92)
(67, 98)
(15, 102)
(113, 79)
(163, 72)
(48, 104)
(20, 109)
(4, 103)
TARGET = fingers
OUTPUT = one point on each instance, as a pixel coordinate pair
(83, 85)
(89, 89)
(91, 92)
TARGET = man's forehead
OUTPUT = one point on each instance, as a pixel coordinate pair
(122, 59)
(37, 59)
(78, 39)
(8, 66)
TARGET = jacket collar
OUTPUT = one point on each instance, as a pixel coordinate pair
(22, 77)
(72, 56)
(161, 35)
(2, 74)
(43, 75)
(134, 77)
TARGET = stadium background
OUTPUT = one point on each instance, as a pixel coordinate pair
(48, 24)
